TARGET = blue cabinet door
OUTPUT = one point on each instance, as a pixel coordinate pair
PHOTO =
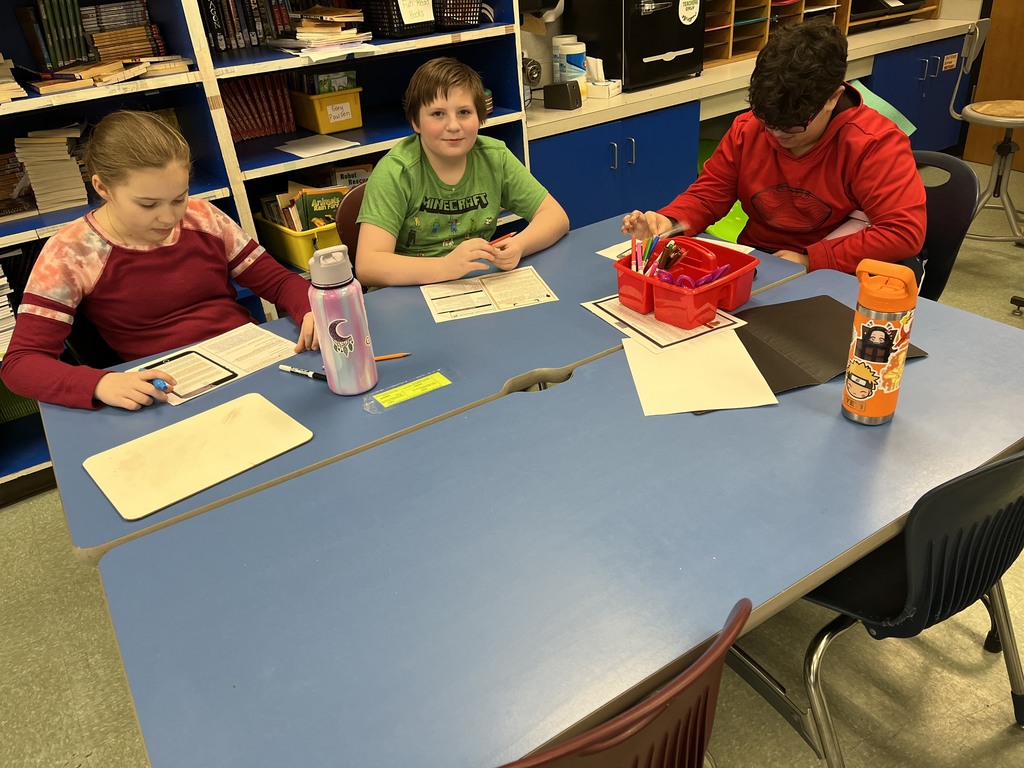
(660, 156)
(640, 162)
(577, 169)
(936, 128)
(919, 82)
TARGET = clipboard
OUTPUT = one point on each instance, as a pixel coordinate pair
(145, 475)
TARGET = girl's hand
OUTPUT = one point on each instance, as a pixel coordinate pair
(307, 335)
(470, 255)
(132, 390)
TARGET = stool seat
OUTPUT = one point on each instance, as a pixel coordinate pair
(1003, 113)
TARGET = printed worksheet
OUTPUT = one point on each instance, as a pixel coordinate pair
(651, 333)
(217, 361)
(494, 292)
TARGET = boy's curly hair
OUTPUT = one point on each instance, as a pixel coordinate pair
(797, 71)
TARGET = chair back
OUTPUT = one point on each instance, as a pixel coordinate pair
(950, 207)
(960, 538)
(669, 729)
(974, 41)
(85, 346)
(345, 220)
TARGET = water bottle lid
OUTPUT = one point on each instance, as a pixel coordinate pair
(330, 267)
(886, 287)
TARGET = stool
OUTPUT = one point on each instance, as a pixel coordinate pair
(1009, 115)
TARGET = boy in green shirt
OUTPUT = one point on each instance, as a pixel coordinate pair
(438, 193)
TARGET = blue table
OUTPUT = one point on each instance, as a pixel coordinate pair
(484, 357)
(462, 595)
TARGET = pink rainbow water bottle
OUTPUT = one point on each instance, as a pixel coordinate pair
(339, 315)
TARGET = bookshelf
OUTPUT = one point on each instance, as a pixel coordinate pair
(234, 175)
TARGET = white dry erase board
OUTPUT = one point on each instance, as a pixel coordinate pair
(154, 471)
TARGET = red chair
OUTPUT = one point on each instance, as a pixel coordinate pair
(669, 729)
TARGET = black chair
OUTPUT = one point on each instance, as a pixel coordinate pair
(85, 346)
(958, 541)
(951, 205)
(669, 729)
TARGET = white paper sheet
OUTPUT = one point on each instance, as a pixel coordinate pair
(652, 333)
(215, 362)
(311, 146)
(494, 292)
(710, 373)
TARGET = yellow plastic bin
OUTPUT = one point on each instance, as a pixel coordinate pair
(295, 247)
(328, 112)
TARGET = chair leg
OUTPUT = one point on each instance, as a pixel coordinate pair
(992, 643)
(815, 693)
(1011, 655)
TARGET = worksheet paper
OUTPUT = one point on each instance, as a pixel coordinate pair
(311, 146)
(494, 292)
(213, 363)
(710, 373)
(654, 334)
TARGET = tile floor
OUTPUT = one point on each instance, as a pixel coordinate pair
(937, 700)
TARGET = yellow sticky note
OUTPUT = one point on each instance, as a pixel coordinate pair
(411, 389)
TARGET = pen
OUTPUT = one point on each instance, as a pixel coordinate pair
(160, 384)
(393, 356)
(304, 372)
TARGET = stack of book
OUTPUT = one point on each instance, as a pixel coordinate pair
(55, 174)
(303, 208)
(321, 26)
(232, 24)
(121, 30)
(10, 89)
(257, 106)
(15, 201)
(6, 311)
(163, 65)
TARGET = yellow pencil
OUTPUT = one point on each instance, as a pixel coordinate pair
(394, 356)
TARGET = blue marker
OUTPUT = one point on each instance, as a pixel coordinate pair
(160, 384)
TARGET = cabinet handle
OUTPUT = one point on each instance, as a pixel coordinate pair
(615, 154)
(632, 146)
(938, 65)
(924, 75)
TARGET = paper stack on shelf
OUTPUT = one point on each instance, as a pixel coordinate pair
(322, 26)
(6, 311)
(15, 201)
(9, 87)
(55, 174)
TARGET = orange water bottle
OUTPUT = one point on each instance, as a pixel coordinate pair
(881, 337)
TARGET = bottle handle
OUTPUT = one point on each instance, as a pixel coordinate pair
(872, 267)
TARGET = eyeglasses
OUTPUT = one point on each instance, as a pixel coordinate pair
(792, 129)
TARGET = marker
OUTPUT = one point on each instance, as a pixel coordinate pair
(393, 356)
(303, 372)
(160, 384)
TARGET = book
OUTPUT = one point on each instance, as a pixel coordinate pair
(82, 71)
(17, 208)
(58, 86)
(126, 73)
(166, 68)
(329, 13)
(316, 206)
(33, 34)
(46, 24)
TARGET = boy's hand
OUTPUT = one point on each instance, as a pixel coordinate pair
(470, 255)
(647, 224)
(508, 253)
(132, 390)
